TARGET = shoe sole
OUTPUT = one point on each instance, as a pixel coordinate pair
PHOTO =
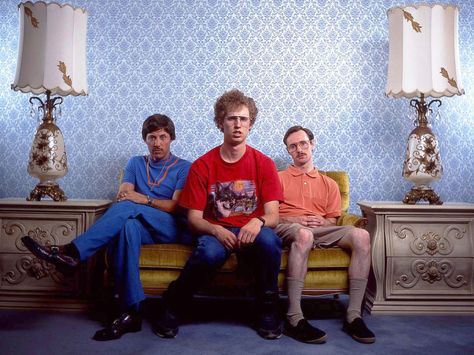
(133, 330)
(314, 341)
(360, 340)
(269, 334)
(169, 335)
(363, 340)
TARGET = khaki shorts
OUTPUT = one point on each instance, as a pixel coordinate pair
(323, 236)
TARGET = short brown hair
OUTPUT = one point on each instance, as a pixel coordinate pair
(230, 100)
(294, 129)
(158, 121)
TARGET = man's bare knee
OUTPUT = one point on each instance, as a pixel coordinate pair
(303, 239)
(361, 240)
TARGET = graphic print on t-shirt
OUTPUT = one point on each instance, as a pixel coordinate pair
(233, 198)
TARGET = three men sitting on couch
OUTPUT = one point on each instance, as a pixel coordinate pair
(232, 195)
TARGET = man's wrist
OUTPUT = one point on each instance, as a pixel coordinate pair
(261, 219)
(149, 201)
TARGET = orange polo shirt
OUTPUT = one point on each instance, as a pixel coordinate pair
(309, 194)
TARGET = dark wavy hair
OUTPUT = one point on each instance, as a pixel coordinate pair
(158, 121)
(231, 100)
(294, 129)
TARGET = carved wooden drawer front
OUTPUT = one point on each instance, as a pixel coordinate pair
(432, 255)
(437, 277)
(422, 257)
(429, 236)
(27, 281)
(18, 263)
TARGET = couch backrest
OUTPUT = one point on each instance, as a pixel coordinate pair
(342, 179)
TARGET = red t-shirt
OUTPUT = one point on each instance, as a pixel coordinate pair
(230, 194)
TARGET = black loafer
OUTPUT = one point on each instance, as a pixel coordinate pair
(359, 331)
(53, 254)
(126, 323)
(305, 332)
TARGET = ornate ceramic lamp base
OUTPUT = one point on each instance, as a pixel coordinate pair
(417, 194)
(51, 190)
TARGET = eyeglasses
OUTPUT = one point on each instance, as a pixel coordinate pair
(302, 144)
(244, 120)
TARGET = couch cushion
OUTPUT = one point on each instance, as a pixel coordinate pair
(162, 263)
(174, 256)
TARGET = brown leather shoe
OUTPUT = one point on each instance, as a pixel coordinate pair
(53, 254)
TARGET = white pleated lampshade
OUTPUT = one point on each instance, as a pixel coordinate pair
(52, 49)
(423, 51)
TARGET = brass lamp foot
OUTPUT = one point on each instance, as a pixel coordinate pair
(417, 194)
(53, 191)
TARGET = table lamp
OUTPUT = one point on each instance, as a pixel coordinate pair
(423, 62)
(51, 61)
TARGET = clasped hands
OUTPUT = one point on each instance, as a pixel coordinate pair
(131, 195)
(312, 221)
(246, 236)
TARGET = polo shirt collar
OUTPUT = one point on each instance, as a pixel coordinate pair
(297, 172)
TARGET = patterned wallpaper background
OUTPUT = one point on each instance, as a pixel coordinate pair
(318, 63)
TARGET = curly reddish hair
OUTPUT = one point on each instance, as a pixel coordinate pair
(231, 100)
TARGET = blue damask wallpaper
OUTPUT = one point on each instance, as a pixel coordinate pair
(318, 63)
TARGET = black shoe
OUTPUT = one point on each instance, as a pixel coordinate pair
(167, 325)
(269, 323)
(269, 326)
(359, 331)
(305, 332)
(53, 254)
(126, 323)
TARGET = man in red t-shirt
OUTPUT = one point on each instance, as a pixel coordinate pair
(232, 194)
(312, 203)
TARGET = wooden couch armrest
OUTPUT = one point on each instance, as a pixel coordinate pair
(349, 219)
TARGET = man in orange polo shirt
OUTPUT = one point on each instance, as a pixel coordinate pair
(312, 203)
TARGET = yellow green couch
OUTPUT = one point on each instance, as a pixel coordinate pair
(327, 268)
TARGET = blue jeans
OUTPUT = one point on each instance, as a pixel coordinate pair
(124, 228)
(210, 255)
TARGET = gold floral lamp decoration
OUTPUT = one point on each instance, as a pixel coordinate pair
(423, 62)
(51, 61)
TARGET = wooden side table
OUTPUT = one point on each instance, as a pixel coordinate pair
(26, 281)
(422, 258)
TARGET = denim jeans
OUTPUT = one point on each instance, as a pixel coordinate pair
(209, 255)
(124, 228)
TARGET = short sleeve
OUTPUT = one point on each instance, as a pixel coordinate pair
(334, 200)
(194, 194)
(182, 175)
(130, 172)
(270, 183)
